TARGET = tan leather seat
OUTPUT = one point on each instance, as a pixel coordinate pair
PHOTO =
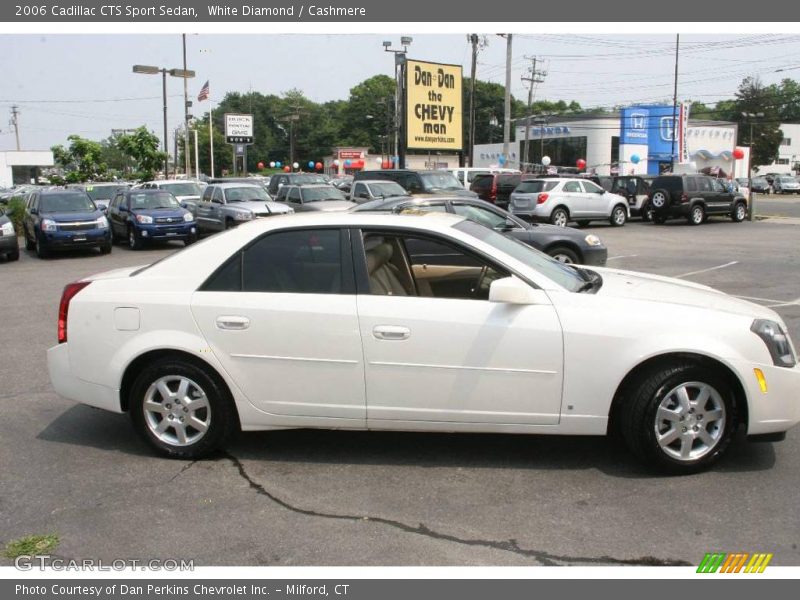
(383, 276)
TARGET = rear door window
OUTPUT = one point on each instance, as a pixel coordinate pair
(573, 187)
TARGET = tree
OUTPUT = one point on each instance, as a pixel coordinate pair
(82, 160)
(753, 98)
(142, 147)
(367, 117)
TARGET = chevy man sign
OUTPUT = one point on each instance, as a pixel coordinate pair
(433, 106)
(238, 128)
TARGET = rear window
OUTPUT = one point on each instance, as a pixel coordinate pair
(508, 179)
(535, 186)
(671, 184)
(482, 182)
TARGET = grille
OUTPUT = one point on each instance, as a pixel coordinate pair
(78, 226)
(169, 219)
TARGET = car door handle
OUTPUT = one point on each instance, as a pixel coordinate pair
(391, 332)
(233, 323)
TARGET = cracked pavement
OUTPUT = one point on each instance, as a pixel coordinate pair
(359, 498)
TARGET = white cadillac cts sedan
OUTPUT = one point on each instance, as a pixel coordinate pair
(419, 322)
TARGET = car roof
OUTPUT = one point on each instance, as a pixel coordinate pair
(235, 184)
(373, 181)
(58, 190)
(163, 181)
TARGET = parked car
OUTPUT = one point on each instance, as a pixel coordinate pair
(61, 219)
(416, 183)
(466, 175)
(364, 191)
(100, 193)
(343, 183)
(149, 215)
(278, 180)
(760, 185)
(564, 244)
(786, 184)
(17, 192)
(225, 205)
(9, 246)
(636, 190)
(428, 323)
(185, 191)
(314, 197)
(497, 187)
(694, 197)
(560, 200)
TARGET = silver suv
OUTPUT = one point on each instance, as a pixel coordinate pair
(225, 205)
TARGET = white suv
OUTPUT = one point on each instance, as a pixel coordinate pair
(561, 200)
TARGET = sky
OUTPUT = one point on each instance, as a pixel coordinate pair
(84, 84)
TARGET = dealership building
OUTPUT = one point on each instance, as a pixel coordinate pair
(635, 140)
(18, 167)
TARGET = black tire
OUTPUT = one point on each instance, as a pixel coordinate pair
(190, 240)
(583, 223)
(619, 216)
(659, 219)
(105, 248)
(697, 215)
(134, 242)
(647, 212)
(41, 249)
(739, 212)
(229, 224)
(639, 421)
(221, 412)
(30, 245)
(564, 255)
(13, 255)
(660, 200)
(559, 216)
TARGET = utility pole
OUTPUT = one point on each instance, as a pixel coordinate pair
(187, 159)
(675, 104)
(507, 106)
(15, 122)
(534, 76)
(473, 38)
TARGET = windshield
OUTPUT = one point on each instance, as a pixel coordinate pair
(486, 217)
(788, 180)
(153, 201)
(102, 192)
(564, 275)
(181, 189)
(387, 190)
(440, 181)
(759, 181)
(320, 194)
(74, 202)
(309, 178)
(245, 194)
(535, 186)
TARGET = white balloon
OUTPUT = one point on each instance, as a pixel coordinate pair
(272, 164)
(545, 160)
(378, 159)
(296, 165)
(336, 161)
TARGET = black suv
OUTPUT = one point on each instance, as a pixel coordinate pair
(497, 187)
(418, 182)
(280, 179)
(695, 197)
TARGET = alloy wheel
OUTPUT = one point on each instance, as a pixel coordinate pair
(659, 200)
(176, 410)
(690, 421)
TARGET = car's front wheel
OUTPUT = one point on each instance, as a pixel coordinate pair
(180, 410)
(42, 251)
(678, 418)
(739, 212)
(564, 255)
(647, 212)
(134, 243)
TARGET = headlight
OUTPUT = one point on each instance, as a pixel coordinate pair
(593, 240)
(146, 219)
(7, 229)
(188, 217)
(49, 225)
(102, 223)
(777, 340)
(243, 216)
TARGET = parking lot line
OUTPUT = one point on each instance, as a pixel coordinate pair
(735, 262)
(623, 256)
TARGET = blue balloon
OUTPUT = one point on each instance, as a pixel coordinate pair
(311, 164)
(501, 160)
(347, 163)
(635, 159)
(278, 164)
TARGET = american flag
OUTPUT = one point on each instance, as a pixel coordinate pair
(205, 91)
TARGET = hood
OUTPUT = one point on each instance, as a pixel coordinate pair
(654, 288)
(279, 208)
(455, 192)
(256, 206)
(329, 205)
(70, 217)
(185, 198)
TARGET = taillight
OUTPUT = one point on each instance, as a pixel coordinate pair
(542, 198)
(493, 191)
(684, 197)
(70, 291)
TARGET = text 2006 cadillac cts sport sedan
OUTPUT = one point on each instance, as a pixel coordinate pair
(419, 322)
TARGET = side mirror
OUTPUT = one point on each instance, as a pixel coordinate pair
(512, 290)
(34, 211)
(123, 208)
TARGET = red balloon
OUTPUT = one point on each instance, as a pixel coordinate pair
(260, 165)
(738, 153)
(318, 166)
(581, 164)
(385, 164)
(287, 169)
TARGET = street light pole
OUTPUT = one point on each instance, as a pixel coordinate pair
(752, 208)
(164, 93)
(400, 117)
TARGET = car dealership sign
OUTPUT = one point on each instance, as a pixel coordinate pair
(433, 106)
(238, 128)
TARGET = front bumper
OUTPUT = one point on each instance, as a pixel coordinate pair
(595, 256)
(171, 231)
(88, 238)
(776, 410)
(8, 243)
(67, 385)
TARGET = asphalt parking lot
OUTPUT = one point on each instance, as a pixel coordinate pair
(344, 498)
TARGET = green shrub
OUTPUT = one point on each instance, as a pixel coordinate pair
(15, 209)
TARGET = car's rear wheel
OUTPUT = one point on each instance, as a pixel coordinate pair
(739, 212)
(679, 418)
(696, 215)
(618, 216)
(564, 255)
(660, 199)
(559, 217)
(180, 410)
